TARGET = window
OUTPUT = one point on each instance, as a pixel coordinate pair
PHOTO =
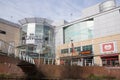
(64, 51)
(78, 49)
(87, 48)
(38, 30)
(24, 28)
(2, 32)
(78, 31)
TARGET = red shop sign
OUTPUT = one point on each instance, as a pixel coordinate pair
(108, 47)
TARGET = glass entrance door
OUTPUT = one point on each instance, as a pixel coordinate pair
(110, 61)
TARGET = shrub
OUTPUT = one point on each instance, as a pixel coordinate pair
(94, 77)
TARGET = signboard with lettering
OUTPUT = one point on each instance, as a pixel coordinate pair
(108, 47)
(85, 52)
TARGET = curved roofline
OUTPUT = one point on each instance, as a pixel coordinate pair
(35, 20)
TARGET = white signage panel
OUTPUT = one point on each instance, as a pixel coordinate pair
(108, 47)
(30, 33)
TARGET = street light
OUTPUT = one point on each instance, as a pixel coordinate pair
(39, 48)
(72, 51)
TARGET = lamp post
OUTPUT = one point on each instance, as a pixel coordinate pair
(72, 51)
(39, 53)
(39, 46)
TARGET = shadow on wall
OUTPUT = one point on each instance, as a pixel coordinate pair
(31, 71)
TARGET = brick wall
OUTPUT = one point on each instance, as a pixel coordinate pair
(8, 65)
(77, 72)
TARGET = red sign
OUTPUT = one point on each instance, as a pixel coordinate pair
(108, 47)
(86, 52)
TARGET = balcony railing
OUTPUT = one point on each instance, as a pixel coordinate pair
(9, 50)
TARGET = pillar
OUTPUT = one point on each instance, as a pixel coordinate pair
(48, 61)
(71, 62)
(119, 58)
(85, 62)
(92, 62)
(81, 61)
(44, 61)
(52, 61)
(97, 61)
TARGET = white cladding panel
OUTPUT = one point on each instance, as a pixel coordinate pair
(90, 11)
(107, 24)
(30, 30)
(58, 36)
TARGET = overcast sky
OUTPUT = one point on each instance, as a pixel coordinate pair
(15, 10)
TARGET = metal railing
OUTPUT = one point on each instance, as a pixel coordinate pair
(6, 48)
(9, 50)
(26, 58)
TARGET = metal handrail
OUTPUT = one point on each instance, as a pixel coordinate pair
(9, 50)
(26, 58)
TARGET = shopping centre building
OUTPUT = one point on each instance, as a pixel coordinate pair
(94, 39)
(9, 37)
(37, 38)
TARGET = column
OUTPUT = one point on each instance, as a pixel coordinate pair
(44, 61)
(52, 61)
(71, 62)
(92, 62)
(48, 61)
(119, 58)
(98, 61)
(85, 62)
(81, 62)
(78, 62)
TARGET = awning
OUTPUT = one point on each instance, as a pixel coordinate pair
(109, 55)
(25, 46)
(77, 57)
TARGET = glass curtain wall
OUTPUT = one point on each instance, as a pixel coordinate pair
(79, 31)
(48, 41)
(44, 41)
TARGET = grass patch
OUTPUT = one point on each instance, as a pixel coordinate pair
(94, 77)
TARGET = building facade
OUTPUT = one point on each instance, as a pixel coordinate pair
(9, 37)
(93, 39)
(37, 38)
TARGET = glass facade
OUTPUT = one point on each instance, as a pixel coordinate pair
(69, 50)
(63, 51)
(24, 28)
(43, 36)
(79, 31)
(87, 48)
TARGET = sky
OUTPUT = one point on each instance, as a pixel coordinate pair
(69, 10)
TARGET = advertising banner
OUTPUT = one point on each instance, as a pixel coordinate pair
(108, 47)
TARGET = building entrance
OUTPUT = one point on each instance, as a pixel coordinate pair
(110, 61)
(87, 61)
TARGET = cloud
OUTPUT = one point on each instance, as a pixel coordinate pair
(52, 9)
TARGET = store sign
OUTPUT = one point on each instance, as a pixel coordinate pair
(31, 38)
(85, 52)
(108, 47)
